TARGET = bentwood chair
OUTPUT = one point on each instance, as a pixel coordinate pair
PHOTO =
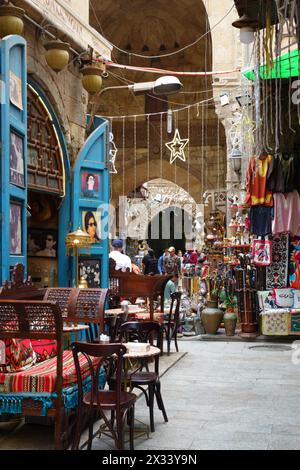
(172, 323)
(99, 402)
(143, 331)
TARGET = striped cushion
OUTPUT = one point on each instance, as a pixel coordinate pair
(42, 377)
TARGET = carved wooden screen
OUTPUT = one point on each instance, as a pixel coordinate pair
(44, 167)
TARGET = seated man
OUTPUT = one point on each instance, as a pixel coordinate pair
(170, 288)
(123, 262)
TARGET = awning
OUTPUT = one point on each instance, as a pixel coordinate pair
(285, 66)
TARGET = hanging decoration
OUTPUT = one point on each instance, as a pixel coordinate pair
(112, 154)
(176, 147)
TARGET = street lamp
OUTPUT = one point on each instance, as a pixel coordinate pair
(236, 160)
(167, 85)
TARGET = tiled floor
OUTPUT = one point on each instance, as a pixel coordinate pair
(221, 395)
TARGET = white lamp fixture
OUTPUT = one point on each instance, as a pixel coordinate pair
(224, 99)
(162, 86)
(247, 27)
(236, 160)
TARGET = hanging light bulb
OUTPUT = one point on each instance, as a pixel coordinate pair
(169, 121)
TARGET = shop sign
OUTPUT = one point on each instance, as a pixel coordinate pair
(82, 33)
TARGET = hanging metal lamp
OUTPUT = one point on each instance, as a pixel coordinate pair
(57, 55)
(92, 77)
(11, 20)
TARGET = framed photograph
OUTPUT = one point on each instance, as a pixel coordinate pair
(15, 83)
(15, 227)
(91, 223)
(42, 243)
(90, 270)
(17, 160)
(90, 185)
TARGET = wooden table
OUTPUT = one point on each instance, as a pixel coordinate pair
(74, 328)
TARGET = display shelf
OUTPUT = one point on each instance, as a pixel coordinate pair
(237, 225)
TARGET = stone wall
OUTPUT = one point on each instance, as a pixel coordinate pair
(64, 90)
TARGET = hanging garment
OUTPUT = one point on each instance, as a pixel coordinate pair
(286, 213)
(261, 220)
(294, 274)
(277, 272)
(256, 182)
(283, 176)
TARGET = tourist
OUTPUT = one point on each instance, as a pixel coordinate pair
(172, 263)
(170, 288)
(150, 263)
(161, 268)
(123, 262)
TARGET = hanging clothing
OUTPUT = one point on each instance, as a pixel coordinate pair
(283, 174)
(256, 182)
(286, 213)
(261, 220)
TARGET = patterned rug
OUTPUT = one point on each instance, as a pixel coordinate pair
(276, 324)
(295, 263)
(277, 273)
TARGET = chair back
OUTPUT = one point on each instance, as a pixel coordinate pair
(144, 332)
(173, 316)
(110, 356)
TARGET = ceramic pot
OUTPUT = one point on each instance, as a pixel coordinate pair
(230, 320)
(211, 317)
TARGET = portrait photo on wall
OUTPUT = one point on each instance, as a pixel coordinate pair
(91, 223)
(90, 185)
(89, 269)
(42, 243)
(15, 227)
(15, 85)
(16, 160)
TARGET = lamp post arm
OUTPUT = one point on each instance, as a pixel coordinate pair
(96, 102)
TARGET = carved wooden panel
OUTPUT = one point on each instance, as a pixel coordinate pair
(44, 165)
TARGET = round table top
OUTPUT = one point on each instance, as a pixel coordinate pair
(119, 311)
(74, 329)
(153, 351)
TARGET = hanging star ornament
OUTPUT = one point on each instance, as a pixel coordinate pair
(112, 154)
(176, 147)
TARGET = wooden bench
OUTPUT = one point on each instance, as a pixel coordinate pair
(128, 284)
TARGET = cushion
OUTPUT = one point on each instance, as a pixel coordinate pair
(266, 300)
(284, 298)
(296, 298)
(44, 349)
(19, 355)
(42, 377)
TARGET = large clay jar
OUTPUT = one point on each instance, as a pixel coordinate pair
(211, 317)
(230, 320)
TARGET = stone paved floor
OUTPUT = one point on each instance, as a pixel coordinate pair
(222, 395)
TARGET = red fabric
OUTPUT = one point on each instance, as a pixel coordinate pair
(256, 182)
(44, 349)
(19, 355)
(42, 377)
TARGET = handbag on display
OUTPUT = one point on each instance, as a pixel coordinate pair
(262, 252)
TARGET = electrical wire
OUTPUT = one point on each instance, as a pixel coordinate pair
(162, 55)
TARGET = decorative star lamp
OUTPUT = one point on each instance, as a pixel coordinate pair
(75, 241)
(176, 147)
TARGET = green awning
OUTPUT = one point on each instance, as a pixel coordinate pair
(285, 66)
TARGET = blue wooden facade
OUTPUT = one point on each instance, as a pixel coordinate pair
(77, 201)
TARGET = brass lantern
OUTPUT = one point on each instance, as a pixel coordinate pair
(11, 20)
(57, 55)
(74, 242)
(92, 77)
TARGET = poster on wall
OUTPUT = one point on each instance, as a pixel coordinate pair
(16, 160)
(91, 223)
(15, 227)
(42, 243)
(15, 83)
(89, 269)
(90, 185)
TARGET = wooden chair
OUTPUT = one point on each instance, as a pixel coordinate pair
(81, 306)
(140, 379)
(116, 401)
(172, 323)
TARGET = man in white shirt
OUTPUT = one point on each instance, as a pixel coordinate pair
(123, 262)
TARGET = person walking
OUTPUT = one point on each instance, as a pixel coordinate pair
(150, 263)
(161, 268)
(172, 263)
